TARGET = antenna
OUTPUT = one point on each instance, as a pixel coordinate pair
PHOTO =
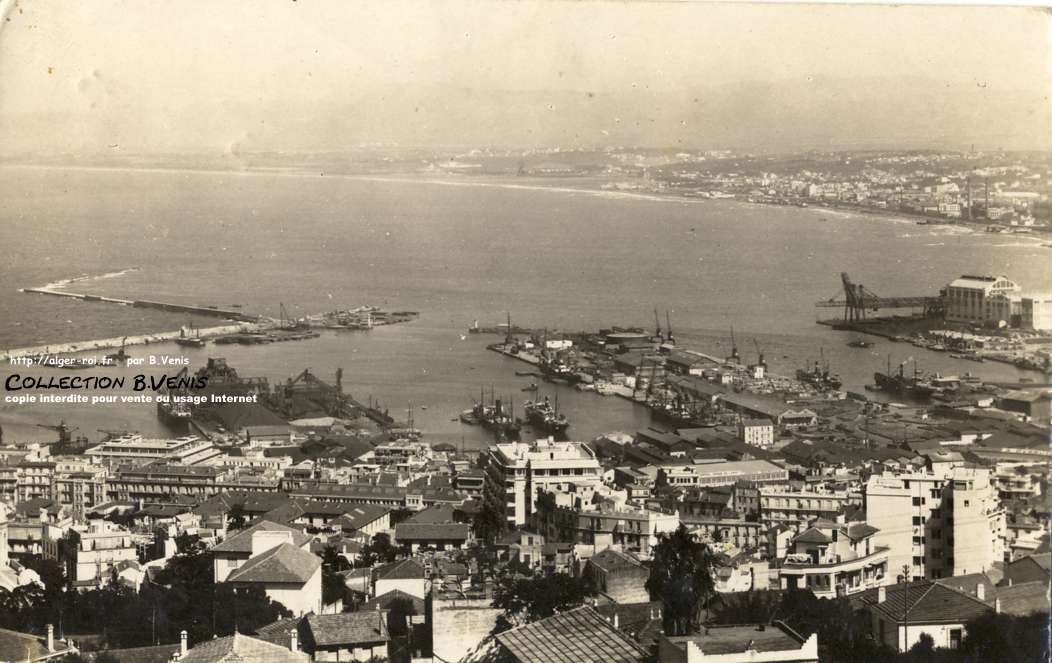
(668, 328)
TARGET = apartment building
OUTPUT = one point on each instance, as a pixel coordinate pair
(834, 559)
(629, 529)
(516, 472)
(781, 505)
(90, 553)
(134, 448)
(937, 524)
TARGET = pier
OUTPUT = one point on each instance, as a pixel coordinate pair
(213, 311)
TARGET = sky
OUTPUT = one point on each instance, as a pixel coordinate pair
(320, 74)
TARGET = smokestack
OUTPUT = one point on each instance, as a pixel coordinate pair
(50, 637)
(882, 594)
(182, 643)
(294, 643)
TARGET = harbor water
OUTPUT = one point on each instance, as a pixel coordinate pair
(457, 250)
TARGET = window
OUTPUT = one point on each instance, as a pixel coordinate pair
(917, 561)
(916, 501)
(917, 521)
(955, 638)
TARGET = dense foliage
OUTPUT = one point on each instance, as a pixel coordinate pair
(681, 578)
(183, 597)
(525, 600)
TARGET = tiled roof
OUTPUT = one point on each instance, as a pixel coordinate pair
(576, 636)
(431, 532)
(284, 564)
(859, 531)
(359, 515)
(240, 648)
(812, 535)
(388, 599)
(929, 602)
(610, 559)
(279, 632)
(440, 513)
(15, 646)
(158, 654)
(348, 628)
(1022, 599)
(242, 541)
(407, 569)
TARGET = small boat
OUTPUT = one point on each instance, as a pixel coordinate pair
(191, 342)
(530, 387)
(859, 343)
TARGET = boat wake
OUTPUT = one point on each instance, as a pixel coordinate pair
(63, 283)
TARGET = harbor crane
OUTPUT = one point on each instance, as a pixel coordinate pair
(858, 300)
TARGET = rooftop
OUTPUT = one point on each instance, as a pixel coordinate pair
(242, 541)
(575, 636)
(733, 639)
(348, 628)
(283, 564)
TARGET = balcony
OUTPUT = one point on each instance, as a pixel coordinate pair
(829, 579)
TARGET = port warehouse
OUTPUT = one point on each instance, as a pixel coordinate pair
(982, 300)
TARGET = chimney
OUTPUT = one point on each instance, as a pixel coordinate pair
(980, 591)
(997, 606)
(294, 643)
(882, 594)
(617, 621)
(50, 637)
(182, 643)
(264, 540)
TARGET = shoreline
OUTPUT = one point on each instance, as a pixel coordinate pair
(1036, 236)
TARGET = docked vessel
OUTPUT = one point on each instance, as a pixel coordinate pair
(188, 340)
(494, 417)
(545, 418)
(819, 376)
(902, 385)
(859, 343)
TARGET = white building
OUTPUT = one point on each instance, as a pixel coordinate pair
(517, 471)
(186, 450)
(286, 572)
(834, 559)
(756, 432)
(89, 553)
(721, 473)
(938, 524)
(971, 298)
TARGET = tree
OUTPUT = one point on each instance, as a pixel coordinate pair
(1000, 638)
(681, 578)
(526, 600)
(488, 523)
(378, 551)
(236, 518)
(924, 648)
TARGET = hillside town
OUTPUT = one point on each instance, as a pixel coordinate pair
(789, 523)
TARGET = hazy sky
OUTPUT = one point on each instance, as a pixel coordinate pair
(280, 74)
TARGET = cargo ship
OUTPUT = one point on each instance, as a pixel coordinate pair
(902, 385)
(495, 418)
(545, 418)
(819, 377)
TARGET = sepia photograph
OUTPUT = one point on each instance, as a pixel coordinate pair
(525, 331)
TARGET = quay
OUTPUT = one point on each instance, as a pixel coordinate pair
(118, 341)
(173, 307)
